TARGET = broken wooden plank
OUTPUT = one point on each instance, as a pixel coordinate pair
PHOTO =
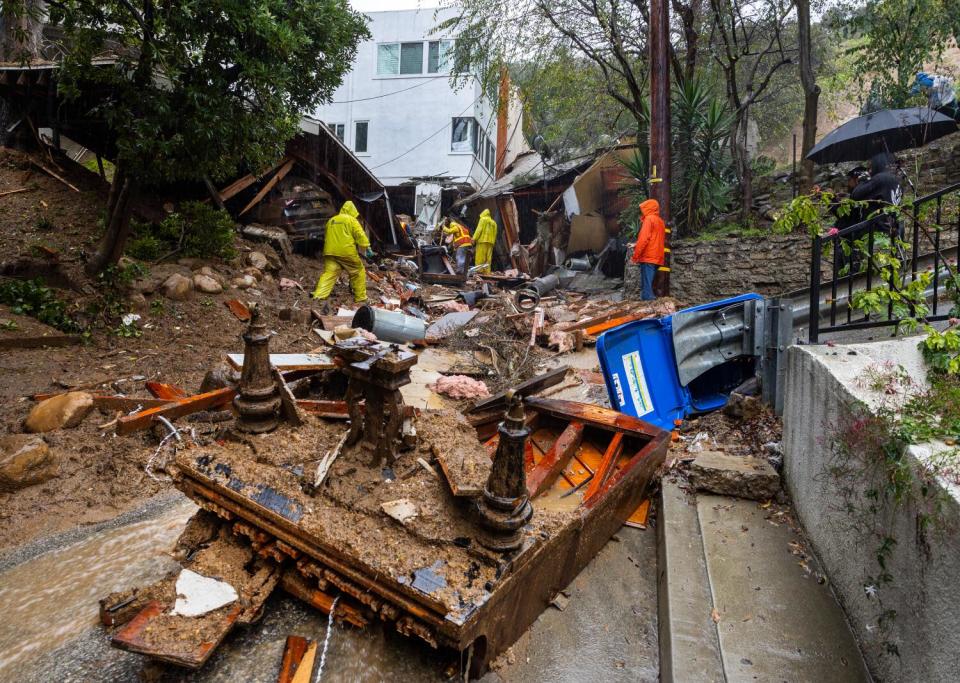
(239, 309)
(237, 186)
(336, 410)
(184, 406)
(304, 672)
(331, 322)
(524, 389)
(555, 460)
(614, 322)
(277, 177)
(293, 653)
(288, 403)
(638, 520)
(603, 472)
(38, 342)
(134, 637)
(290, 361)
(54, 175)
(170, 392)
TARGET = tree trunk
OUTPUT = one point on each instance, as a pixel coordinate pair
(741, 159)
(21, 29)
(811, 94)
(119, 212)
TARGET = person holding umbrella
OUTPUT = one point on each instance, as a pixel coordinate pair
(882, 190)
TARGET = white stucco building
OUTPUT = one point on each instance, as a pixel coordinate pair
(399, 113)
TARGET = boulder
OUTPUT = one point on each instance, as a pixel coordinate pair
(206, 284)
(62, 411)
(25, 460)
(731, 475)
(258, 260)
(220, 376)
(138, 302)
(211, 273)
(177, 287)
(255, 273)
(243, 282)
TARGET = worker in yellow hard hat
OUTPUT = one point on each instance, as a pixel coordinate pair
(344, 236)
(484, 237)
(461, 242)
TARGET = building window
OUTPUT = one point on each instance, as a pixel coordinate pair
(360, 136)
(491, 157)
(399, 58)
(337, 129)
(438, 61)
(460, 139)
(475, 134)
(411, 58)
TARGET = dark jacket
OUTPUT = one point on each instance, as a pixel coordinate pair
(881, 191)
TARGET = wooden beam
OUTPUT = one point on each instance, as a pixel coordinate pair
(336, 410)
(277, 177)
(185, 406)
(236, 187)
(170, 392)
(603, 472)
(54, 175)
(531, 386)
(40, 341)
(293, 653)
(555, 460)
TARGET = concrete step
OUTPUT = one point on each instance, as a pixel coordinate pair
(737, 605)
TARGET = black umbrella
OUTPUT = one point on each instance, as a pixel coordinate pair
(888, 130)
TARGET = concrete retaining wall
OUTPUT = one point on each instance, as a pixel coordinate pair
(823, 383)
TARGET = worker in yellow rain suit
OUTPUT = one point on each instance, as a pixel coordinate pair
(461, 242)
(343, 237)
(484, 237)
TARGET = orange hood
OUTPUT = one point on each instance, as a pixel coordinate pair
(650, 206)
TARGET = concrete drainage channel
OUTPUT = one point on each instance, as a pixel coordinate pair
(740, 599)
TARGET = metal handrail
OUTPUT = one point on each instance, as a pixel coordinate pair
(870, 226)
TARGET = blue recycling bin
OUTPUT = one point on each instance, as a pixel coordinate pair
(640, 371)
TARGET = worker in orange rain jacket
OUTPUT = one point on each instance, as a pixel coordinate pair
(649, 251)
(343, 237)
(462, 242)
(485, 236)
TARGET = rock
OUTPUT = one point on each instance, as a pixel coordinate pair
(220, 376)
(63, 411)
(743, 407)
(243, 282)
(177, 287)
(25, 460)
(257, 260)
(730, 475)
(255, 273)
(211, 273)
(276, 237)
(206, 284)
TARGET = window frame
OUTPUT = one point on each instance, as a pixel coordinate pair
(332, 127)
(400, 73)
(444, 66)
(366, 136)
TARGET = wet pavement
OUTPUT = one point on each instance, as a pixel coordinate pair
(50, 631)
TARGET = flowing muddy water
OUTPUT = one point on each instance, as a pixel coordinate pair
(50, 630)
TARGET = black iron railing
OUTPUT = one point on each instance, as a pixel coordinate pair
(933, 234)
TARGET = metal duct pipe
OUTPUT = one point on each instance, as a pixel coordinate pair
(390, 326)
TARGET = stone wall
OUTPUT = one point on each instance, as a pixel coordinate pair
(704, 271)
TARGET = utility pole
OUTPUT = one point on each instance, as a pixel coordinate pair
(660, 122)
(503, 122)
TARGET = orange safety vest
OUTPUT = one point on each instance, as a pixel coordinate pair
(462, 239)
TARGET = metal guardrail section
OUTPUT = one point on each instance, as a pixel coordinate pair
(831, 296)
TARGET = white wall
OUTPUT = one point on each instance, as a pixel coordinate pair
(409, 133)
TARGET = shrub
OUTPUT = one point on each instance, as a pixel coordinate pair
(197, 229)
(33, 298)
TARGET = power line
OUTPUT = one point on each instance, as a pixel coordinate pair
(377, 97)
(429, 137)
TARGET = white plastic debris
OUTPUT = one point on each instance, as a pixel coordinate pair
(198, 595)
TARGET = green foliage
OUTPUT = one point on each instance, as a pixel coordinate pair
(897, 38)
(813, 213)
(199, 88)
(197, 230)
(9, 325)
(33, 298)
(112, 285)
(44, 224)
